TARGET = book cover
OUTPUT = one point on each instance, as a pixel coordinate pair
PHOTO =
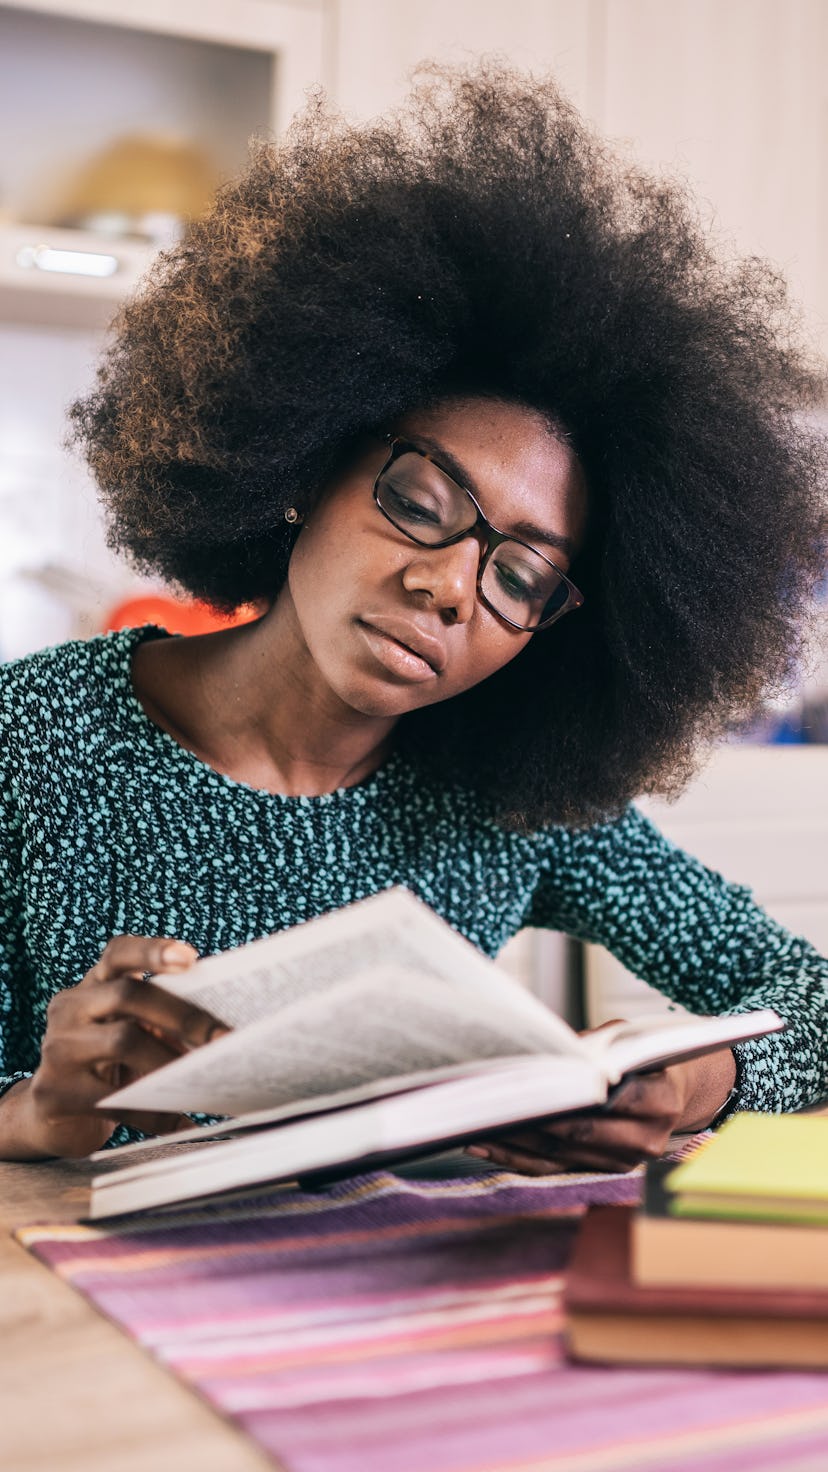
(771, 1167)
(611, 1318)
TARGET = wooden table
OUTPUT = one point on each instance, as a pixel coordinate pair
(76, 1395)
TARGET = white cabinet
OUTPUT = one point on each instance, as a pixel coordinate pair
(291, 32)
(80, 75)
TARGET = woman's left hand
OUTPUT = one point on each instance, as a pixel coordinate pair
(636, 1127)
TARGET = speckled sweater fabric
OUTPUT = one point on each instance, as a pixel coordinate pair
(108, 826)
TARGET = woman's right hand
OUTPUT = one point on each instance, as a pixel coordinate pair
(111, 1028)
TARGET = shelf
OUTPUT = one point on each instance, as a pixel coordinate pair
(30, 293)
(86, 78)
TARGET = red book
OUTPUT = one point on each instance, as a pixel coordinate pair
(612, 1318)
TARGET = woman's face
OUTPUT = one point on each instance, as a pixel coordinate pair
(391, 626)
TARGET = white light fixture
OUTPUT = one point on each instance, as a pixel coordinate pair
(69, 262)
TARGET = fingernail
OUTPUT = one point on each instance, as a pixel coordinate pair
(479, 1151)
(176, 952)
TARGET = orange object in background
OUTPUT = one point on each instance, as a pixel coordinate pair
(175, 616)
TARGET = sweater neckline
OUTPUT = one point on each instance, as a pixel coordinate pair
(126, 641)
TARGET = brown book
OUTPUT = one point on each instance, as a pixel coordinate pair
(670, 1251)
(611, 1318)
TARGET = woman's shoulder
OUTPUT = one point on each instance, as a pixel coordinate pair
(625, 843)
(63, 688)
(102, 658)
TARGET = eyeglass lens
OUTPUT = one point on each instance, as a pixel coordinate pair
(427, 506)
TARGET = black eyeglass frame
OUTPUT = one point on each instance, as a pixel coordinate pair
(493, 535)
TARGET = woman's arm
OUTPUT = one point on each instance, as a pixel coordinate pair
(64, 1047)
(701, 941)
(109, 1029)
(644, 1114)
(704, 943)
(17, 1050)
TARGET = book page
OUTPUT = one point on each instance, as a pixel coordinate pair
(392, 928)
(383, 1023)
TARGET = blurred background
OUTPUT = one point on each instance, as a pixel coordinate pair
(118, 118)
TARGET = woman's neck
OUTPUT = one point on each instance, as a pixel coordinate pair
(248, 705)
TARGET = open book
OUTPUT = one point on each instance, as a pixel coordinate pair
(367, 1035)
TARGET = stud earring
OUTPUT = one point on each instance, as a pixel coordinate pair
(293, 517)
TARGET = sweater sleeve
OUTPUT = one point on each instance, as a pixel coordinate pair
(17, 1048)
(701, 941)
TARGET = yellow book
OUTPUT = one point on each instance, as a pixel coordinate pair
(767, 1167)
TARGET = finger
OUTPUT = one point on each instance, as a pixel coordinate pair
(521, 1161)
(648, 1094)
(61, 1095)
(629, 1140)
(168, 1018)
(612, 1154)
(644, 1093)
(135, 955)
(154, 1123)
(121, 1051)
(650, 1105)
(572, 1159)
(608, 1162)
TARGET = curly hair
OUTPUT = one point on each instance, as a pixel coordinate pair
(483, 240)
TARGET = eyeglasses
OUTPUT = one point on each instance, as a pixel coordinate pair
(516, 581)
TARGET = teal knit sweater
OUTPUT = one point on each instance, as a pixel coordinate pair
(108, 826)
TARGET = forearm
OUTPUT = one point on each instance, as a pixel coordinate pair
(701, 941)
(20, 1136)
(708, 1082)
(32, 1127)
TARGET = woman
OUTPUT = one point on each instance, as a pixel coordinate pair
(515, 468)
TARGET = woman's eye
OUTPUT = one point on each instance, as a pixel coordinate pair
(412, 510)
(515, 585)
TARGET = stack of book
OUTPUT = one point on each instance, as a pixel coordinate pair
(726, 1262)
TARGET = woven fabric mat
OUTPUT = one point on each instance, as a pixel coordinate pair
(396, 1325)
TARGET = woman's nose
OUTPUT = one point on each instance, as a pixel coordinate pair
(448, 575)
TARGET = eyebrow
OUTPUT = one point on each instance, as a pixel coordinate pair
(527, 530)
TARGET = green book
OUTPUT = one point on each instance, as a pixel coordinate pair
(758, 1167)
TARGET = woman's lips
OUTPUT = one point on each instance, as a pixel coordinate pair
(426, 641)
(398, 657)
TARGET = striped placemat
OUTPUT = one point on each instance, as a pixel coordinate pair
(397, 1325)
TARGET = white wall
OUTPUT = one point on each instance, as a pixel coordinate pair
(377, 44)
(733, 95)
(730, 94)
